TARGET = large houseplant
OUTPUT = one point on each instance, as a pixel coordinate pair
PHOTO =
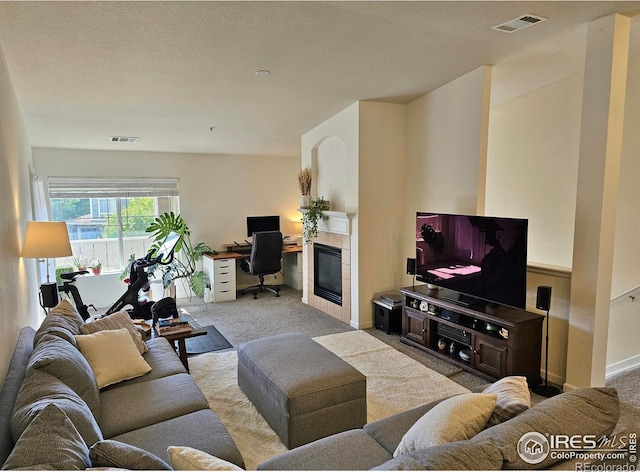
(184, 264)
(311, 216)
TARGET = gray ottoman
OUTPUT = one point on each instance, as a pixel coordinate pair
(304, 391)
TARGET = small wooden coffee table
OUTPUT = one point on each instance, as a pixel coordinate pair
(178, 339)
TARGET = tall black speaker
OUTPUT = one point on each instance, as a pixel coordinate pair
(411, 266)
(543, 302)
(543, 299)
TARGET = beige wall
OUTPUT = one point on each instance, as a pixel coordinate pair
(532, 166)
(381, 173)
(623, 349)
(18, 303)
(446, 148)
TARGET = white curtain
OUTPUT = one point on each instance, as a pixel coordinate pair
(40, 213)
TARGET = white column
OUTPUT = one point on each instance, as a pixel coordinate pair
(603, 101)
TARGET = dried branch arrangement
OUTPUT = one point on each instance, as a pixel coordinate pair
(304, 181)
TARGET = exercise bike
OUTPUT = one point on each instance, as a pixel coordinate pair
(70, 289)
(138, 306)
(139, 280)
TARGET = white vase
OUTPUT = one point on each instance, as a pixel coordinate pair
(305, 201)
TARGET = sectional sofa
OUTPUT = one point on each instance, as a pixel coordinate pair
(57, 412)
(61, 408)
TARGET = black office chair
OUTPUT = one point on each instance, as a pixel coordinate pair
(266, 257)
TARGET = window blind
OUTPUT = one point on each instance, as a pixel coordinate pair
(109, 187)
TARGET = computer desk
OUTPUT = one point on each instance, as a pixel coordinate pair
(226, 279)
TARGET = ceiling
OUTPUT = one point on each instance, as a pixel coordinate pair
(181, 75)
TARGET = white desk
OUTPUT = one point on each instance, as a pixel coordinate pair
(225, 277)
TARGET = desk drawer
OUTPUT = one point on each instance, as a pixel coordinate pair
(223, 294)
(224, 266)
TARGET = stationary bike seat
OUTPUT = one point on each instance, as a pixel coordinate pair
(71, 276)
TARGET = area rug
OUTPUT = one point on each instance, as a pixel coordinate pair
(212, 341)
(395, 383)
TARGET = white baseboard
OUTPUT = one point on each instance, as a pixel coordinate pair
(622, 366)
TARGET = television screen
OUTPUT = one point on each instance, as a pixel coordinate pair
(479, 256)
(256, 224)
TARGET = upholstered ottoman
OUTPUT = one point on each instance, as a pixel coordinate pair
(304, 391)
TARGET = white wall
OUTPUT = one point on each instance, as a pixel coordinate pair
(217, 192)
(18, 303)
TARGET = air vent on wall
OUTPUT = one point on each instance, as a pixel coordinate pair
(519, 23)
(124, 139)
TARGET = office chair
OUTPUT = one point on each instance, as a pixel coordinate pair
(266, 256)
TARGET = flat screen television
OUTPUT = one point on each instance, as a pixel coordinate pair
(481, 257)
(256, 224)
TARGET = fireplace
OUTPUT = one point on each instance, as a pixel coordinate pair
(327, 273)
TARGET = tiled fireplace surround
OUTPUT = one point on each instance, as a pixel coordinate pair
(342, 241)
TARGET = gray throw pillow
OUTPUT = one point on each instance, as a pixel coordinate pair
(513, 398)
(592, 411)
(40, 389)
(63, 321)
(51, 441)
(57, 357)
(110, 453)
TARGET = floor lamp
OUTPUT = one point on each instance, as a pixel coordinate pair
(543, 302)
(44, 240)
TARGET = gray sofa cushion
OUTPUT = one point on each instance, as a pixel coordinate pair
(389, 431)
(583, 411)
(59, 358)
(63, 321)
(142, 404)
(50, 441)
(461, 455)
(109, 453)
(11, 387)
(41, 389)
(350, 450)
(201, 430)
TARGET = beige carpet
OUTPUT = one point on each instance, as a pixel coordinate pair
(395, 383)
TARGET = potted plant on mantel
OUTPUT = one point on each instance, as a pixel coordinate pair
(184, 267)
(304, 184)
(311, 216)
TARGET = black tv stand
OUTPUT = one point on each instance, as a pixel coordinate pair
(488, 339)
(461, 299)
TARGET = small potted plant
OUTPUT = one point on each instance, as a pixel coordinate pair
(96, 266)
(80, 262)
(304, 184)
(311, 216)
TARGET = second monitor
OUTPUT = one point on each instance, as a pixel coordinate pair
(256, 224)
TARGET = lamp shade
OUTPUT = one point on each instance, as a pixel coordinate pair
(46, 239)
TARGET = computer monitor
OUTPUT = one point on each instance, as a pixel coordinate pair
(255, 224)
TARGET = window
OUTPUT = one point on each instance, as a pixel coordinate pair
(106, 217)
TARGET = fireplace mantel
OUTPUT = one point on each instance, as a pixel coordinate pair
(339, 222)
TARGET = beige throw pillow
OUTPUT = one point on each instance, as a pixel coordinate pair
(117, 320)
(455, 419)
(188, 458)
(513, 398)
(112, 356)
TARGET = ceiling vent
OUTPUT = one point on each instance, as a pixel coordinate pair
(519, 23)
(124, 139)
